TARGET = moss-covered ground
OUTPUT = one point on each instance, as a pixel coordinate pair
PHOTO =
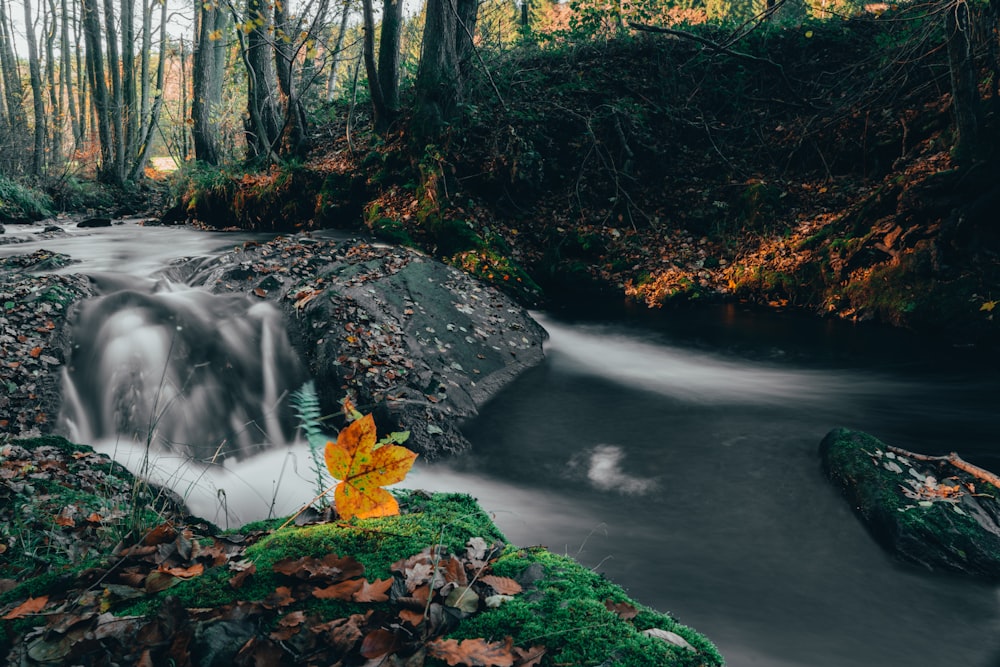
(181, 576)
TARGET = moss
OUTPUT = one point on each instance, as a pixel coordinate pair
(565, 611)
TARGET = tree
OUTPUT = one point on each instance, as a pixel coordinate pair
(37, 94)
(963, 72)
(207, 82)
(440, 77)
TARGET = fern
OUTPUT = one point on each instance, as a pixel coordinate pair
(305, 402)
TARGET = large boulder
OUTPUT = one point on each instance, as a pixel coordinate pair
(924, 509)
(420, 343)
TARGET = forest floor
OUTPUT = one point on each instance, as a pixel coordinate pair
(810, 169)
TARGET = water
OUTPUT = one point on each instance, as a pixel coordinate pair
(675, 452)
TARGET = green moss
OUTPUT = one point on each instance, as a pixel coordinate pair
(565, 611)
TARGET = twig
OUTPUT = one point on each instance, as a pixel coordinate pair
(954, 459)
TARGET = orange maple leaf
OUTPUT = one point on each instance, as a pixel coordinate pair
(364, 469)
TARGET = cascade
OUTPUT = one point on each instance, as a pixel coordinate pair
(160, 363)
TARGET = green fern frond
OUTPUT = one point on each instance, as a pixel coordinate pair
(305, 402)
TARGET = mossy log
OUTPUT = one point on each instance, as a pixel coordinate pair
(940, 512)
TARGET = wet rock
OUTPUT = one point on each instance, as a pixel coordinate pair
(99, 221)
(420, 344)
(52, 229)
(927, 512)
(3, 230)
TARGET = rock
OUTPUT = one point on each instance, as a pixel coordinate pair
(52, 229)
(423, 343)
(930, 513)
(94, 222)
(3, 230)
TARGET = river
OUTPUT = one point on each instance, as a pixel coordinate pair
(676, 451)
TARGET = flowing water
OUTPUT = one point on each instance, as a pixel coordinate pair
(676, 452)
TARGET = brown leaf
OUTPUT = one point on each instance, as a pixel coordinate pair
(195, 570)
(288, 626)
(160, 535)
(29, 606)
(343, 590)
(238, 579)
(623, 609)
(157, 581)
(281, 597)
(378, 643)
(528, 657)
(35, 352)
(472, 652)
(65, 521)
(260, 292)
(414, 618)
(342, 633)
(502, 585)
(331, 567)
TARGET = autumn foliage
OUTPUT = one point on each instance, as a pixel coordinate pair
(363, 465)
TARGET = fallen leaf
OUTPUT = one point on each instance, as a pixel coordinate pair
(373, 592)
(472, 652)
(35, 352)
(29, 606)
(344, 590)
(195, 570)
(623, 609)
(502, 585)
(364, 470)
(379, 642)
(281, 597)
(330, 567)
(260, 292)
(528, 657)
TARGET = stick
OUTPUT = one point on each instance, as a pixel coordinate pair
(955, 460)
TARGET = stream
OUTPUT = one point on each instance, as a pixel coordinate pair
(674, 451)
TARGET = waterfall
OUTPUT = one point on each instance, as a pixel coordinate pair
(163, 364)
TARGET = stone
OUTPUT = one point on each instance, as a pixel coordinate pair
(926, 512)
(418, 343)
(99, 221)
(3, 230)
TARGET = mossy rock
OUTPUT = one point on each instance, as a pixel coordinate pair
(929, 513)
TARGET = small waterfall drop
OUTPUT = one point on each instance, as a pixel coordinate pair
(179, 368)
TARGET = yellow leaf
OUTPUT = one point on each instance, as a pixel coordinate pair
(364, 470)
(215, 35)
(809, 33)
(988, 306)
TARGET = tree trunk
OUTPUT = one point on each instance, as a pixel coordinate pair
(468, 14)
(964, 93)
(380, 112)
(130, 99)
(264, 125)
(55, 99)
(154, 116)
(293, 135)
(204, 129)
(13, 90)
(99, 90)
(331, 82)
(67, 76)
(388, 55)
(117, 98)
(439, 82)
(37, 94)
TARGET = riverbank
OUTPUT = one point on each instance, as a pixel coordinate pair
(658, 170)
(176, 588)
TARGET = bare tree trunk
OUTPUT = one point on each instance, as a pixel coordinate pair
(331, 82)
(468, 15)
(294, 132)
(130, 100)
(154, 117)
(264, 128)
(55, 99)
(67, 76)
(81, 76)
(439, 82)
(388, 54)
(204, 74)
(117, 99)
(13, 90)
(99, 90)
(37, 94)
(964, 93)
(379, 109)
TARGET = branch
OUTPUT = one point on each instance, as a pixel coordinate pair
(955, 460)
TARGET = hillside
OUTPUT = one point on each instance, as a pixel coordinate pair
(804, 166)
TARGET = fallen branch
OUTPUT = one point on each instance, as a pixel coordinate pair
(953, 459)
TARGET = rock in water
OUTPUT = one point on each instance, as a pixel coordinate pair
(927, 512)
(419, 343)
(94, 222)
(3, 230)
